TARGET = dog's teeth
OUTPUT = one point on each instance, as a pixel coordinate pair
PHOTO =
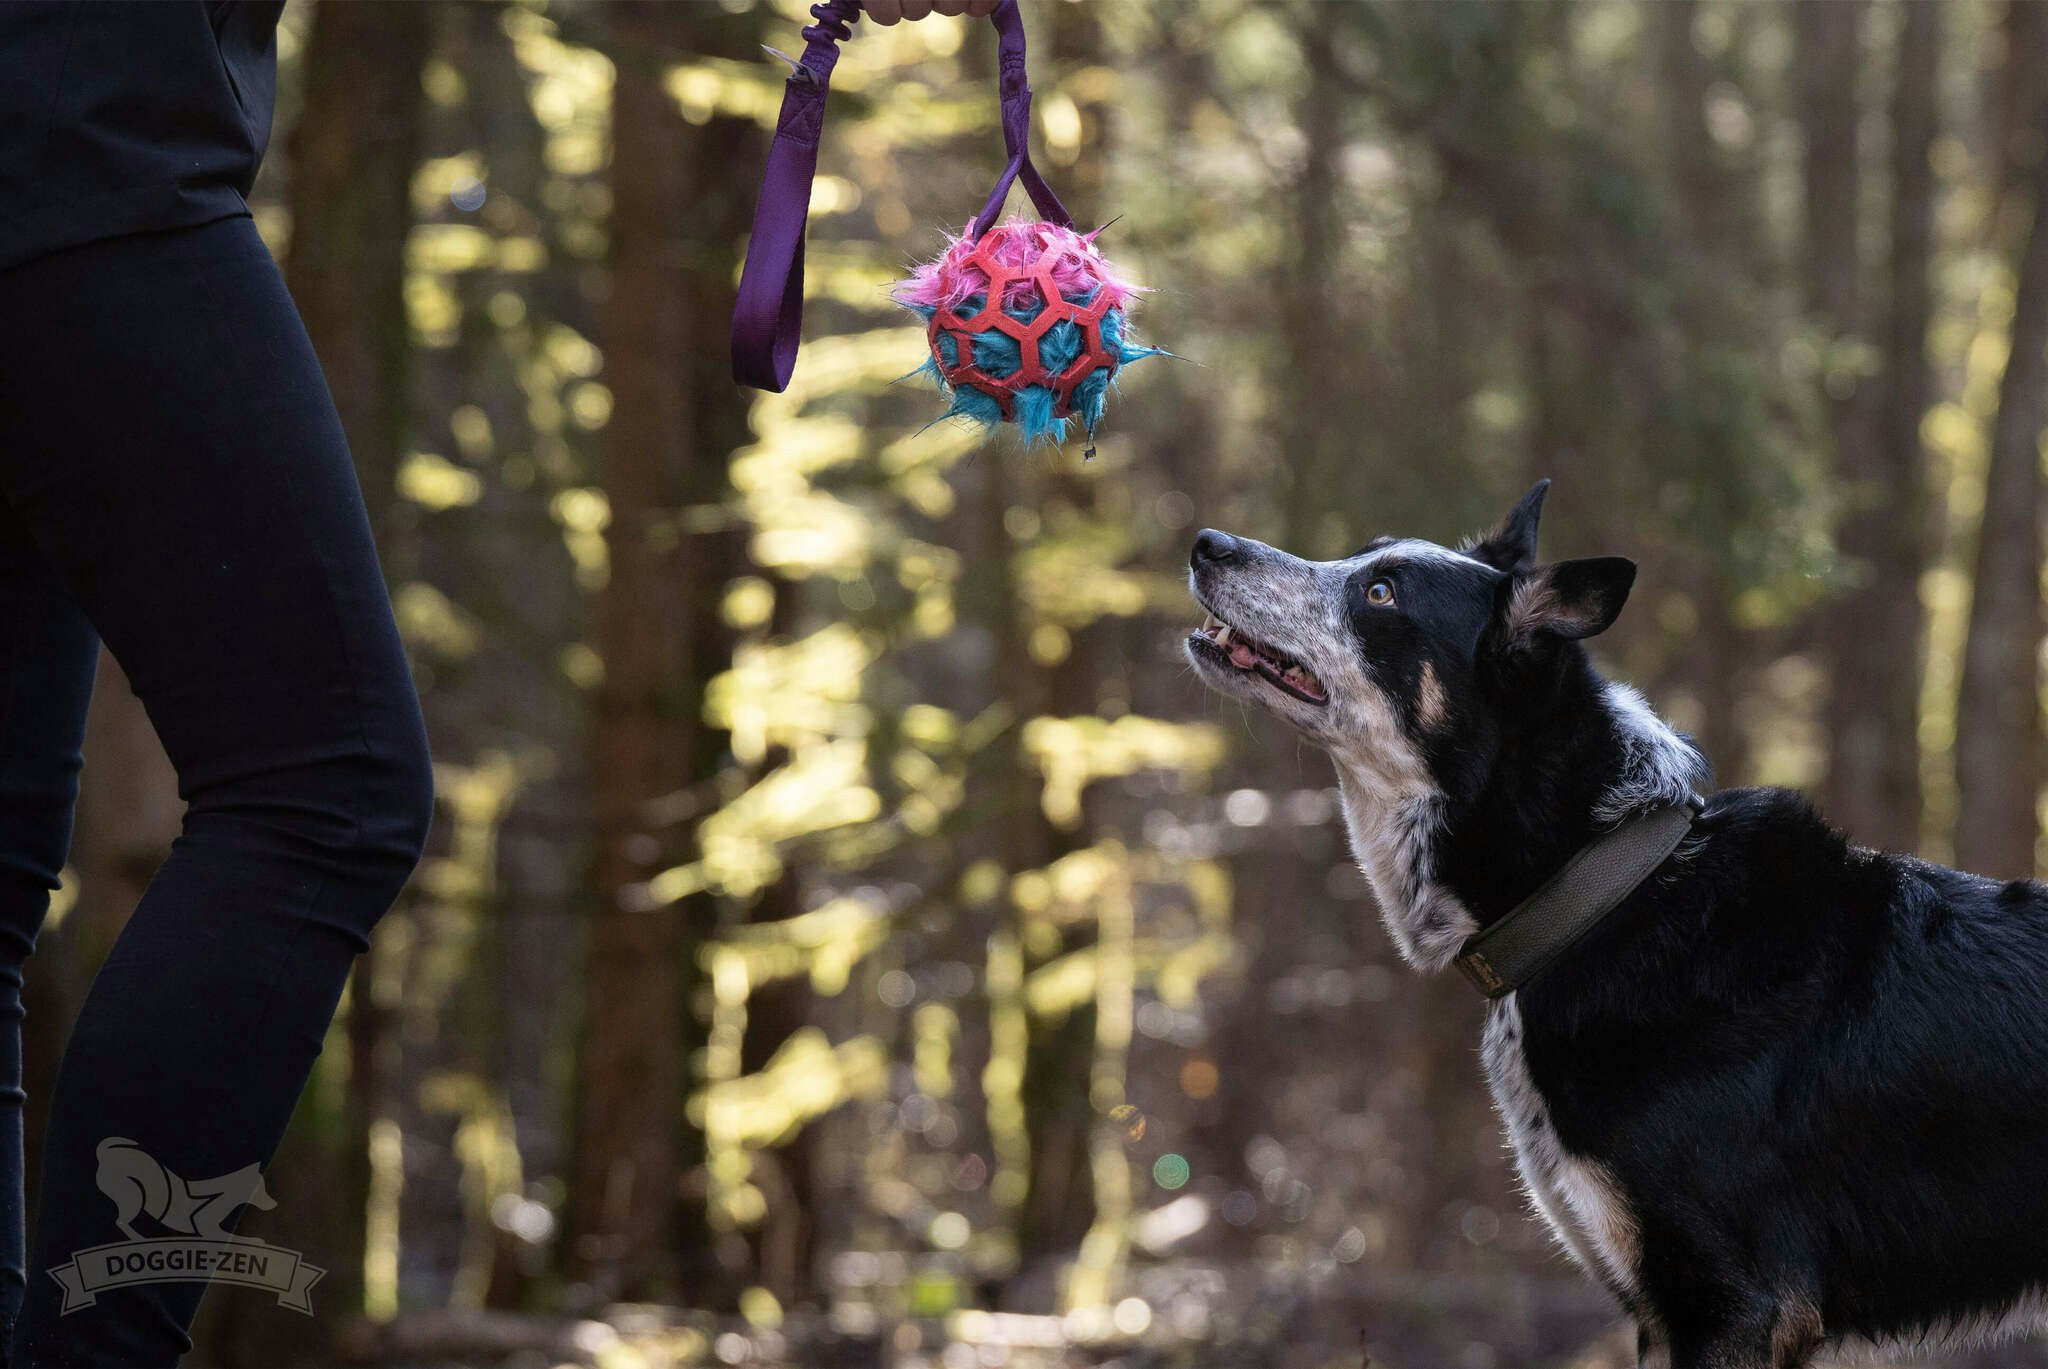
(1222, 636)
(1210, 622)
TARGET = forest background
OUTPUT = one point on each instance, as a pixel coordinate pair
(851, 937)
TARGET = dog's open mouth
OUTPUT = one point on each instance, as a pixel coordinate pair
(1251, 657)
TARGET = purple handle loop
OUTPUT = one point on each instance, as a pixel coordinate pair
(1016, 129)
(767, 318)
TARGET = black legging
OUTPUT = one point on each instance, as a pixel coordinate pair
(173, 479)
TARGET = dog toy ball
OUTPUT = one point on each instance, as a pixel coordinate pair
(1027, 323)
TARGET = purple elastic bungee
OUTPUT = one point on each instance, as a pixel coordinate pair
(767, 320)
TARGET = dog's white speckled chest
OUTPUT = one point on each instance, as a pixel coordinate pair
(1577, 1198)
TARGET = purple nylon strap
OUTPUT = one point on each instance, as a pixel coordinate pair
(1016, 129)
(767, 320)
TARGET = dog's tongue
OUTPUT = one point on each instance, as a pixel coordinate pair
(1242, 656)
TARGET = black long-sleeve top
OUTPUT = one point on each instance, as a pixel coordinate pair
(120, 117)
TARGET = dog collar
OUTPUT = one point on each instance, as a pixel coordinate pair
(1591, 885)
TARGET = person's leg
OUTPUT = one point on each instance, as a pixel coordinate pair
(47, 656)
(171, 446)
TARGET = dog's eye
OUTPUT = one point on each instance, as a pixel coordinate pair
(1380, 593)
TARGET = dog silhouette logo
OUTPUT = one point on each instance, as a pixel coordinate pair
(200, 1207)
(199, 1247)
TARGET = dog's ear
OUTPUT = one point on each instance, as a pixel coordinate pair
(1569, 599)
(1512, 547)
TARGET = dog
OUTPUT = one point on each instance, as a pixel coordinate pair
(137, 1184)
(1789, 1093)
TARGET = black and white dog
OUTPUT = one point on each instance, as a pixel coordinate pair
(1789, 1092)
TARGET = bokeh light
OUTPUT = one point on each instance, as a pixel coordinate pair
(1170, 1171)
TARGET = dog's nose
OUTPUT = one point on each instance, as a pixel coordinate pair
(1211, 545)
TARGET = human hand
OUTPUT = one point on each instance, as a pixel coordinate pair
(886, 12)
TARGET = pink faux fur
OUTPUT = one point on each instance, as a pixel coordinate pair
(1079, 270)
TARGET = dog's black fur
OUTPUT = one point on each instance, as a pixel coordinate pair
(1810, 1079)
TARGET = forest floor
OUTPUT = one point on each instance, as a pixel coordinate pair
(1369, 1324)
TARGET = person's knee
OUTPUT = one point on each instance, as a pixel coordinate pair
(385, 797)
(390, 804)
(347, 801)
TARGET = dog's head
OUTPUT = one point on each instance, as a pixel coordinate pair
(1407, 660)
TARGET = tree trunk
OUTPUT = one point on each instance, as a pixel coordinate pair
(353, 151)
(1717, 204)
(1059, 1204)
(1826, 58)
(1863, 737)
(679, 216)
(1316, 450)
(1874, 765)
(1998, 713)
(716, 216)
(631, 1071)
